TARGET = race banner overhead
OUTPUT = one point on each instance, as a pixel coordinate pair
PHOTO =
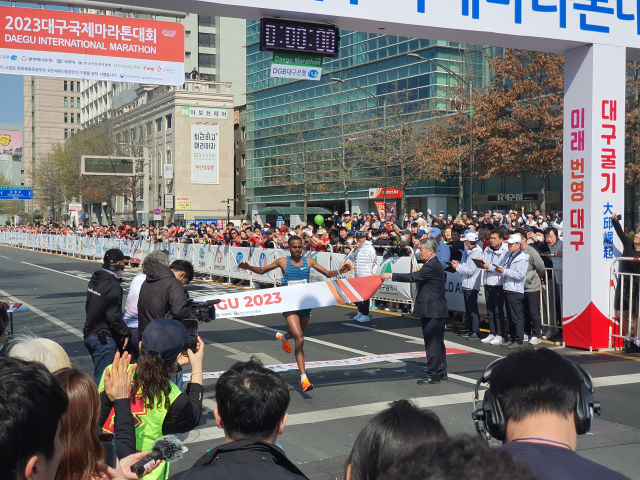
(51, 43)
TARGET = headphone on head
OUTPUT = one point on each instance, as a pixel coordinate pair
(490, 420)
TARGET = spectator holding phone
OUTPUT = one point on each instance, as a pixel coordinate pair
(156, 400)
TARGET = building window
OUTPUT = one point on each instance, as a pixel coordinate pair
(141, 132)
(187, 34)
(72, 84)
(159, 125)
(206, 40)
(65, 101)
(206, 21)
(72, 102)
(78, 119)
(72, 115)
(65, 85)
(243, 159)
(242, 129)
(66, 119)
(169, 118)
(206, 60)
(66, 133)
(187, 54)
(78, 102)
(149, 128)
(243, 185)
(73, 131)
(78, 85)
(133, 134)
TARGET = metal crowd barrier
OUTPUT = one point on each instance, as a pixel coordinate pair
(551, 299)
(624, 289)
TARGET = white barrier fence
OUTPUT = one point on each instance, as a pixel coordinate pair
(222, 261)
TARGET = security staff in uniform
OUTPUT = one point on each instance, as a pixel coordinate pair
(431, 307)
(105, 332)
(470, 274)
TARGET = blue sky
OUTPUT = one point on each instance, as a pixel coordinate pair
(11, 89)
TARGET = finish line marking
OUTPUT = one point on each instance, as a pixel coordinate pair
(347, 362)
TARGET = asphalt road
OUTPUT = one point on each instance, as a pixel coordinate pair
(324, 423)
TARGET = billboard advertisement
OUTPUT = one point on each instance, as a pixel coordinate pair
(51, 43)
(204, 153)
(11, 142)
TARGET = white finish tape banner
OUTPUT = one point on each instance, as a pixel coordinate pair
(295, 297)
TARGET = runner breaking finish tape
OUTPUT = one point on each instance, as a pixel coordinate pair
(296, 271)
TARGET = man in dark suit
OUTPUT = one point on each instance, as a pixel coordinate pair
(431, 307)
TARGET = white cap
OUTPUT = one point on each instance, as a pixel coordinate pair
(515, 238)
(471, 237)
(347, 213)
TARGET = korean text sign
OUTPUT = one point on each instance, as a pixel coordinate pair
(95, 47)
(204, 153)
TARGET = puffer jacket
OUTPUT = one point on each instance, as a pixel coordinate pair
(365, 260)
(104, 306)
(535, 270)
(161, 294)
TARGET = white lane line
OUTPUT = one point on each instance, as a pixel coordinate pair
(55, 271)
(44, 315)
(306, 339)
(616, 380)
(419, 340)
(210, 433)
(9, 258)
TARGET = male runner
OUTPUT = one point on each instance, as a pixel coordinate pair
(296, 271)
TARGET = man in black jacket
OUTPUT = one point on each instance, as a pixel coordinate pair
(252, 410)
(163, 292)
(431, 307)
(104, 329)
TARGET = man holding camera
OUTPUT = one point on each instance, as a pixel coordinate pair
(104, 330)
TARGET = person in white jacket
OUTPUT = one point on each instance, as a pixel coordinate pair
(365, 264)
(493, 289)
(470, 274)
(514, 274)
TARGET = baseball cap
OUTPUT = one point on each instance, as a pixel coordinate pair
(284, 228)
(435, 231)
(471, 236)
(165, 336)
(515, 238)
(405, 231)
(347, 212)
(114, 255)
(271, 231)
(421, 233)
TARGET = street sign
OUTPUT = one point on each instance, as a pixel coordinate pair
(157, 217)
(75, 207)
(168, 202)
(108, 166)
(168, 171)
(157, 211)
(16, 193)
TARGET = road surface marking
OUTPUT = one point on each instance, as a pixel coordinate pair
(52, 270)
(420, 341)
(44, 315)
(306, 339)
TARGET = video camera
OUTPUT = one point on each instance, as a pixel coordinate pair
(204, 312)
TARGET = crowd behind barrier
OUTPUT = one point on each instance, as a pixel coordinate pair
(222, 261)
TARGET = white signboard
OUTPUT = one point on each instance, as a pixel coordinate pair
(75, 207)
(168, 202)
(168, 170)
(200, 112)
(300, 67)
(204, 153)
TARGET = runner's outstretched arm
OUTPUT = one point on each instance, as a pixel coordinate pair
(279, 263)
(346, 268)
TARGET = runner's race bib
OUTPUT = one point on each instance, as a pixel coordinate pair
(297, 282)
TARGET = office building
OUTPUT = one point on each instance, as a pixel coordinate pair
(177, 133)
(240, 160)
(378, 64)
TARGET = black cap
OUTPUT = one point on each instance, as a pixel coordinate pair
(114, 255)
(165, 336)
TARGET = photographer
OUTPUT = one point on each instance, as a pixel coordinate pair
(163, 293)
(104, 330)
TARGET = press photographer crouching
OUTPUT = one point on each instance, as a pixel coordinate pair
(537, 404)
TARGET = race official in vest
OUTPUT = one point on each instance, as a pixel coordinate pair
(444, 252)
(105, 332)
(365, 264)
(431, 307)
(514, 275)
(158, 405)
(470, 274)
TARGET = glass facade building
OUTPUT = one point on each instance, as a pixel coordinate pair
(379, 64)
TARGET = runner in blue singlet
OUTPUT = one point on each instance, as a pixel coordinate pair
(295, 271)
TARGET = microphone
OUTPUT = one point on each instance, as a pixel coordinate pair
(209, 303)
(168, 448)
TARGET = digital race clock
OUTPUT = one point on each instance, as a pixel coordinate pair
(277, 35)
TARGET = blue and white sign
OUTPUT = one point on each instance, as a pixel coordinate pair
(300, 67)
(157, 211)
(16, 193)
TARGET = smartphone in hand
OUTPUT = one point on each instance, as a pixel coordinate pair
(192, 335)
(108, 441)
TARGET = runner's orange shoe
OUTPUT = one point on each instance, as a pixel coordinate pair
(306, 385)
(286, 346)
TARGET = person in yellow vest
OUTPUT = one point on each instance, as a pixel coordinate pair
(158, 406)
